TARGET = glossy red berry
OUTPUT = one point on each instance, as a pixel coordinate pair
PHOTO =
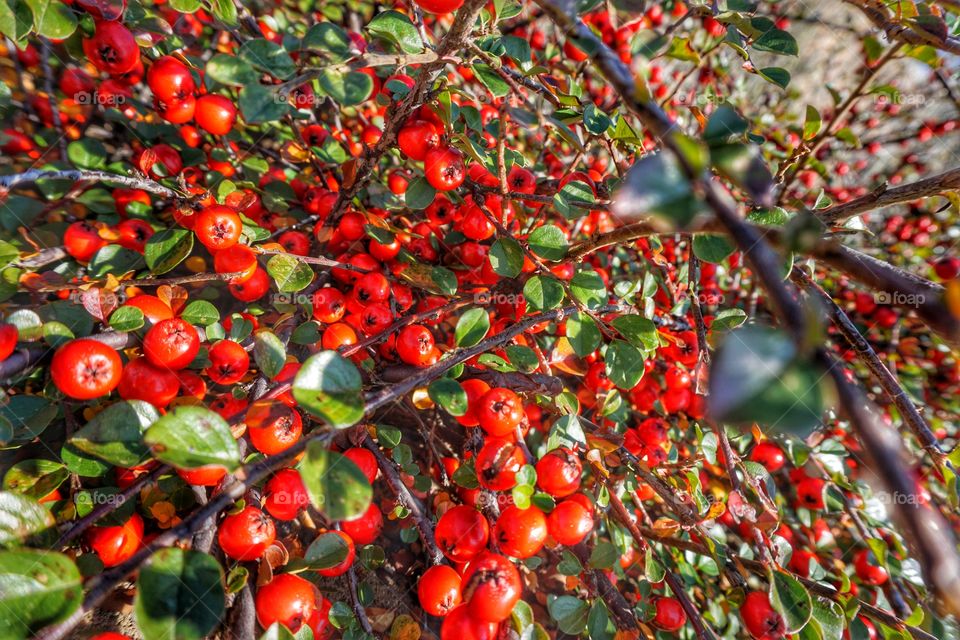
(499, 412)
(170, 79)
(810, 493)
(558, 472)
(284, 495)
(216, 114)
(141, 380)
(228, 362)
(171, 344)
(112, 48)
(520, 533)
(116, 544)
(288, 599)
(461, 533)
(868, 570)
(492, 584)
(444, 168)
(366, 528)
(498, 462)
(273, 427)
(415, 345)
(246, 535)
(439, 590)
(85, 369)
(9, 335)
(218, 227)
(417, 137)
(570, 522)
(769, 455)
(760, 618)
(365, 461)
(669, 615)
(460, 624)
(82, 241)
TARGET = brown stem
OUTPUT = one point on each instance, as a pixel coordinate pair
(908, 410)
(33, 175)
(408, 500)
(885, 196)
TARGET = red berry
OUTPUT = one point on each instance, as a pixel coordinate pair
(461, 533)
(246, 535)
(85, 369)
(439, 590)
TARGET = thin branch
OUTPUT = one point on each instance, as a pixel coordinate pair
(885, 196)
(33, 175)
(908, 410)
(408, 500)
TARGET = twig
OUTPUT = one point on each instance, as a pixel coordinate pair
(408, 500)
(885, 196)
(33, 175)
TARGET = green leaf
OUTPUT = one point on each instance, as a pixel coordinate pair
(327, 551)
(744, 165)
(329, 387)
(39, 588)
(52, 18)
(420, 193)
(127, 319)
(624, 364)
(543, 293)
(583, 334)
(728, 319)
(594, 120)
(756, 376)
(335, 484)
(87, 153)
(231, 70)
(777, 41)
(724, 124)
(548, 242)
(776, 75)
(185, 6)
(290, 274)
(35, 478)
(599, 624)
(444, 279)
(570, 613)
(506, 257)
(191, 437)
(329, 39)
(200, 312)
(269, 57)
(448, 393)
(588, 287)
(115, 435)
(567, 199)
(224, 11)
(828, 618)
(21, 517)
(472, 327)
(396, 28)
(656, 185)
(566, 431)
(168, 248)
(16, 20)
(812, 123)
(791, 600)
(180, 595)
(496, 85)
(639, 331)
(711, 247)
(259, 104)
(269, 353)
(347, 89)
